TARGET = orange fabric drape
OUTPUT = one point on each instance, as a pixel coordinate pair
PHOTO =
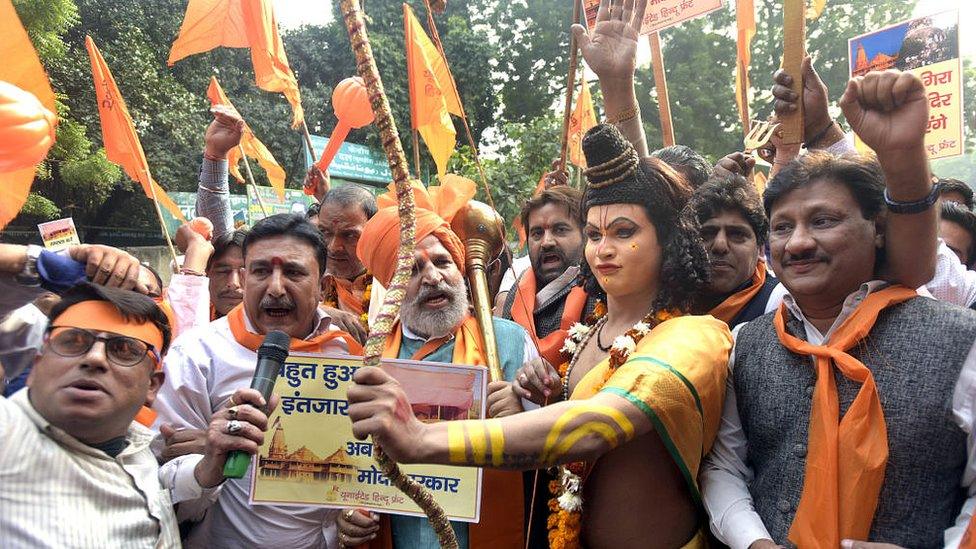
(745, 22)
(349, 293)
(846, 458)
(730, 308)
(22, 68)
(502, 504)
(969, 538)
(209, 24)
(122, 145)
(580, 122)
(252, 340)
(524, 305)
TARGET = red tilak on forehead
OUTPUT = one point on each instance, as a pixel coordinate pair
(277, 261)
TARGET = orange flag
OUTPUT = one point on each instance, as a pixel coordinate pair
(209, 24)
(252, 146)
(22, 68)
(433, 95)
(121, 142)
(582, 119)
(745, 22)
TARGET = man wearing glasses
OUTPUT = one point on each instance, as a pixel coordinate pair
(75, 470)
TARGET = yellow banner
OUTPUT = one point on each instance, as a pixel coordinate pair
(310, 456)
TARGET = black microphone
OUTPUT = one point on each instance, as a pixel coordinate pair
(271, 356)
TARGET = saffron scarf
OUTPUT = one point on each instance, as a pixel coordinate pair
(349, 293)
(522, 312)
(846, 458)
(468, 344)
(727, 310)
(252, 341)
(969, 538)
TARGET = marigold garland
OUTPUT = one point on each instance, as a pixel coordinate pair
(566, 505)
(332, 300)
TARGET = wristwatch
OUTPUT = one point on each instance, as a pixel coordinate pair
(29, 275)
(915, 207)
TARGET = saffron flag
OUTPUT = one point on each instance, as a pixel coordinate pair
(22, 68)
(209, 24)
(582, 119)
(252, 146)
(816, 8)
(745, 22)
(121, 142)
(433, 95)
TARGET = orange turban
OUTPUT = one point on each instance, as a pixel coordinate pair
(380, 241)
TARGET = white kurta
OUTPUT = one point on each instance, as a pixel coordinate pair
(203, 370)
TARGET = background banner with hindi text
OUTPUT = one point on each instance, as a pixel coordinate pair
(310, 456)
(661, 14)
(929, 48)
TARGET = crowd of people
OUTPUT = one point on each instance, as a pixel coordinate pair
(688, 360)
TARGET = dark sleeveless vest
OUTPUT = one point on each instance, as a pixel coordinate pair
(915, 352)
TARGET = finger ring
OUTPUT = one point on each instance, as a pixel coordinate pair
(234, 427)
(232, 411)
(349, 514)
(232, 401)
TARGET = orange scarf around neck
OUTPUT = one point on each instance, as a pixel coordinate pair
(727, 310)
(252, 341)
(523, 309)
(468, 344)
(846, 458)
(349, 293)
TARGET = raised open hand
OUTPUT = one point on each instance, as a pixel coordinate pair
(610, 49)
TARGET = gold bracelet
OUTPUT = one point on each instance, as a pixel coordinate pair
(624, 116)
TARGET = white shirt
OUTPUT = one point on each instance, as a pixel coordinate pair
(953, 281)
(725, 476)
(56, 491)
(519, 266)
(203, 370)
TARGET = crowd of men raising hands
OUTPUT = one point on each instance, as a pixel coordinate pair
(686, 362)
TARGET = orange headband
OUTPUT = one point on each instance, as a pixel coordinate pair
(102, 316)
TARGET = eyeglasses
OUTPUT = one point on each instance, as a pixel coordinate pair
(120, 350)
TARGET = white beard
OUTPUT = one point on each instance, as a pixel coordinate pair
(438, 323)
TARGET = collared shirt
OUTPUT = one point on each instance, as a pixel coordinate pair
(552, 289)
(56, 491)
(725, 475)
(203, 370)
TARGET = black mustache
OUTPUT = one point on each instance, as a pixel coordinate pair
(789, 260)
(280, 303)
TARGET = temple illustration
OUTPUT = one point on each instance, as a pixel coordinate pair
(303, 464)
(879, 62)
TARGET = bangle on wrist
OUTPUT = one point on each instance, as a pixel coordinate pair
(623, 116)
(915, 206)
(819, 135)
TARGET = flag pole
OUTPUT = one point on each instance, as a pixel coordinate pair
(162, 223)
(308, 140)
(250, 178)
(570, 86)
(436, 36)
(416, 151)
(661, 85)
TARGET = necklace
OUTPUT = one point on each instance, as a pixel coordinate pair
(599, 340)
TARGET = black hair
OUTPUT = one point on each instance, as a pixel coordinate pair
(133, 306)
(861, 175)
(560, 195)
(949, 185)
(351, 195)
(731, 193)
(687, 162)
(618, 177)
(966, 219)
(224, 243)
(291, 224)
(313, 210)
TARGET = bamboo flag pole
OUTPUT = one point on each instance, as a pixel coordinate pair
(250, 178)
(162, 223)
(661, 85)
(436, 37)
(570, 85)
(416, 151)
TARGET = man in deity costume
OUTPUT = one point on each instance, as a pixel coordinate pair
(284, 259)
(848, 418)
(734, 230)
(435, 325)
(644, 386)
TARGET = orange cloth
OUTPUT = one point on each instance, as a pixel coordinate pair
(209, 24)
(103, 316)
(251, 145)
(380, 241)
(846, 458)
(969, 538)
(524, 306)
(745, 22)
(502, 504)
(22, 68)
(727, 310)
(119, 136)
(582, 119)
(252, 341)
(433, 95)
(349, 293)
(444, 200)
